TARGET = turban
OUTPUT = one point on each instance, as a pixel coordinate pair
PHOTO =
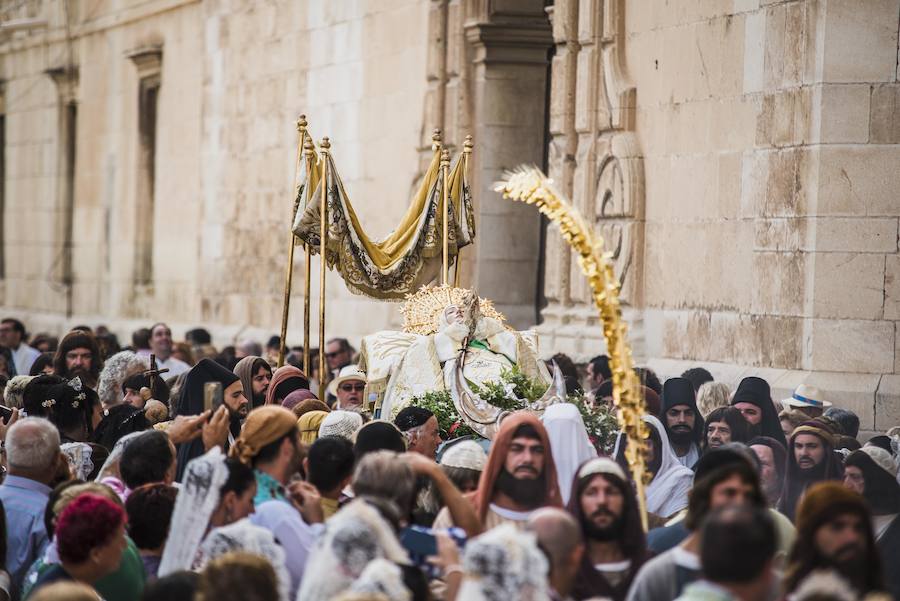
(412, 417)
(297, 397)
(311, 404)
(309, 424)
(264, 426)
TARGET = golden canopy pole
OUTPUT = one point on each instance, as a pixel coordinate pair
(289, 272)
(323, 264)
(309, 152)
(467, 151)
(445, 179)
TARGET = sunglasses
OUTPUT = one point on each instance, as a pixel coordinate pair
(333, 355)
(353, 387)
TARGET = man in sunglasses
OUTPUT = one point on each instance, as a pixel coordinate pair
(338, 354)
(349, 388)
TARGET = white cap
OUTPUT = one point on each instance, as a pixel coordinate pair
(341, 423)
(467, 454)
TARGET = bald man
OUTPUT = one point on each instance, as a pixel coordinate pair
(559, 535)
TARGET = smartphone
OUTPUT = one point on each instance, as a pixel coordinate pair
(212, 396)
(418, 542)
(5, 413)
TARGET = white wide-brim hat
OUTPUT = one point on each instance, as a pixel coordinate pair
(347, 374)
(806, 396)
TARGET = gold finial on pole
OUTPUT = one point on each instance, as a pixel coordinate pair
(324, 146)
(289, 273)
(436, 140)
(445, 211)
(309, 151)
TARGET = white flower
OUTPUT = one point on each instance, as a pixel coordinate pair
(48, 403)
(74, 404)
(510, 390)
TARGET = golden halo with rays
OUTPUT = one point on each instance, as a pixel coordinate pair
(421, 310)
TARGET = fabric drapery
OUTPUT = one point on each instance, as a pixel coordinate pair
(408, 257)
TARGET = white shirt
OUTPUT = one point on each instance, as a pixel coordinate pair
(23, 358)
(295, 536)
(175, 366)
(690, 458)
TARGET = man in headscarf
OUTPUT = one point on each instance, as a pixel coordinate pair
(834, 532)
(811, 459)
(684, 425)
(78, 356)
(519, 477)
(753, 398)
(604, 503)
(420, 426)
(256, 376)
(725, 478)
(270, 443)
(667, 493)
(191, 402)
(772, 464)
(872, 472)
(285, 380)
(724, 425)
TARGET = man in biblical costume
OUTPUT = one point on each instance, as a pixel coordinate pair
(452, 340)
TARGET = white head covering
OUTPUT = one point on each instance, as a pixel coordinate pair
(382, 578)
(569, 442)
(110, 467)
(466, 454)
(341, 423)
(243, 536)
(354, 536)
(197, 499)
(667, 493)
(504, 564)
(882, 458)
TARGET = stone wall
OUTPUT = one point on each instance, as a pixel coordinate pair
(234, 76)
(767, 131)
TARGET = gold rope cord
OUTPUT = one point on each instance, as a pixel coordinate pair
(531, 186)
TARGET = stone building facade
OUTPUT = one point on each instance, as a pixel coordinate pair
(740, 158)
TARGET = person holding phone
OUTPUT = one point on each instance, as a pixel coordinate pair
(194, 401)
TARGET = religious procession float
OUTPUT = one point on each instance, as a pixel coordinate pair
(455, 354)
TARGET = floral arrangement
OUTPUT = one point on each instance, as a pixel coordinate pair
(513, 392)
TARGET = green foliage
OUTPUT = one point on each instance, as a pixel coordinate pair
(513, 392)
(440, 403)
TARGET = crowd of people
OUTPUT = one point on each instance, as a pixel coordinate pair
(209, 474)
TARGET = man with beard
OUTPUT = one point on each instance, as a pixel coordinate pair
(191, 402)
(604, 503)
(161, 346)
(684, 426)
(78, 355)
(270, 443)
(872, 472)
(811, 459)
(772, 460)
(834, 532)
(256, 376)
(753, 398)
(724, 479)
(519, 476)
(725, 425)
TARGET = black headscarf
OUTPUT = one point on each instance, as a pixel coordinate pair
(680, 391)
(589, 582)
(190, 402)
(882, 491)
(756, 391)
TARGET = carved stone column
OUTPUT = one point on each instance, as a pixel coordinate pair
(597, 161)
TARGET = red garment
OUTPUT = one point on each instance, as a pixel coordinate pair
(481, 498)
(283, 373)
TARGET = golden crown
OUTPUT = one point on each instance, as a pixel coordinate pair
(421, 310)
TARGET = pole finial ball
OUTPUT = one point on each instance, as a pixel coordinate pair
(325, 143)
